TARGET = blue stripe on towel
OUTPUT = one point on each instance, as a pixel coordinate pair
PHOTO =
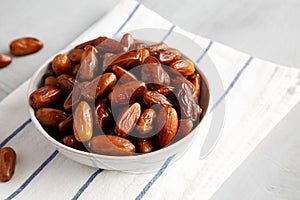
(32, 176)
(169, 32)
(205, 51)
(155, 177)
(127, 20)
(86, 184)
(235, 79)
(18, 130)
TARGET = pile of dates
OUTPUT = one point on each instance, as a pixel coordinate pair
(119, 97)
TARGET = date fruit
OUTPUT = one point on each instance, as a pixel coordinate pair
(151, 98)
(111, 45)
(145, 145)
(168, 56)
(185, 127)
(127, 119)
(5, 60)
(123, 75)
(50, 117)
(183, 66)
(153, 74)
(61, 64)
(188, 105)
(154, 49)
(51, 81)
(72, 99)
(92, 42)
(127, 92)
(103, 116)
(166, 91)
(167, 119)
(101, 85)
(195, 79)
(66, 125)
(7, 163)
(66, 82)
(75, 55)
(89, 64)
(44, 96)
(125, 60)
(128, 41)
(146, 121)
(25, 46)
(71, 141)
(111, 145)
(83, 122)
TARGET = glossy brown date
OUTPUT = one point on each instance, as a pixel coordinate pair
(92, 42)
(66, 125)
(185, 127)
(143, 54)
(75, 70)
(124, 60)
(167, 119)
(151, 98)
(101, 85)
(154, 49)
(127, 92)
(123, 75)
(145, 145)
(89, 64)
(146, 122)
(195, 79)
(111, 145)
(75, 56)
(103, 116)
(187, 103)
(5, 60)
(61, 64)
(83, 122)
(44, 96)
(72, 99)
(128, 41)
(153, 74)
(71, 141)
(166, 91)
(66, 82)
(127, 120)
(7, 163)
(51, 81)
(179, 80)
(183, 66)
(168, 56)
(25, 46)
(111, 45)
(50, 117)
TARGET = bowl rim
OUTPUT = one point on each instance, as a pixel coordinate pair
(32, 85)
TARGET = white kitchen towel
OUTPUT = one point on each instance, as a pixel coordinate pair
(258, 95)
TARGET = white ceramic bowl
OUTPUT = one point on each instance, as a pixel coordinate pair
(134, 164)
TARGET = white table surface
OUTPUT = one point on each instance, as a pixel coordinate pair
(268, 29)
